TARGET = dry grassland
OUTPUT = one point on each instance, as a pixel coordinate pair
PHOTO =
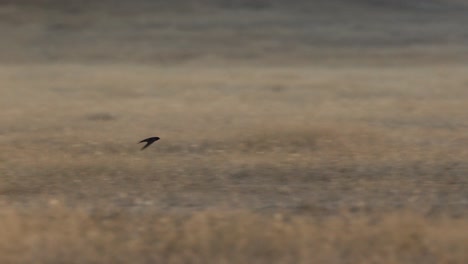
(279, 158)
(356, 158)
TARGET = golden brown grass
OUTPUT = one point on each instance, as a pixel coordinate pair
(57, 234)
(245, 171)
(280, 143)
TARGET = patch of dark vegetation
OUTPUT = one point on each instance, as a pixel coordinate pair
(101, 117)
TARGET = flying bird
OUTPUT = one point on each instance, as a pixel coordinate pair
(148, 141)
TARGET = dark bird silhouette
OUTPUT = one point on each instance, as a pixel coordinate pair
(148, 141)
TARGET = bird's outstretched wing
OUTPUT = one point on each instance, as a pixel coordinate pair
(148, 141)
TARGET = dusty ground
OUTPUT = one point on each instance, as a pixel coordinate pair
(322, 132)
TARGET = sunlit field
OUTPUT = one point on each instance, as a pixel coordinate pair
(302, 133)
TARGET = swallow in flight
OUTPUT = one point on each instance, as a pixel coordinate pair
(148, 141)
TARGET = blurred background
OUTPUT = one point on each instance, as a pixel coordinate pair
(324, 131)
(271, 31)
